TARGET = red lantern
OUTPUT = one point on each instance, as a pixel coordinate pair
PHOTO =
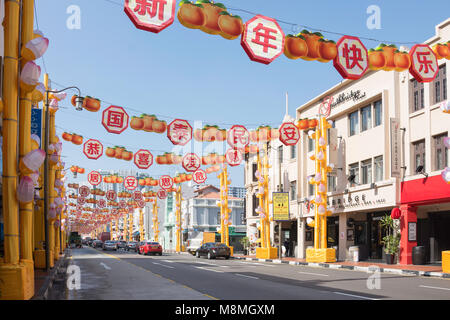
(396, 213)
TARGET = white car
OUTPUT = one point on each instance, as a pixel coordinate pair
(193, 245)
(110, 245)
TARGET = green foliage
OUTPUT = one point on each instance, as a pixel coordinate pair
(391, 241)
(245, 242)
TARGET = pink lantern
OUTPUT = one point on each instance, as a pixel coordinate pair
(56, 223)
(54, 104)
(34, 49)
(318, 177)
(321, 210)
(54, 158)
(25, 190)
(322, 188)
(29, 77)
(446, 175)
(52, 212)
(322, 141)
(32, 161)
(318, 199)
(447, 142)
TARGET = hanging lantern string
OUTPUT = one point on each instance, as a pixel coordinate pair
(110, 143)
(163, 116)
(296, 25)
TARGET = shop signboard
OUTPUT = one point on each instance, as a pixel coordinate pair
(280, 206)
(36, 123)
(333, 149)
(395, 147)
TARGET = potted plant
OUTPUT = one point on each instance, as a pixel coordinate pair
(245, 243)
(391, 240)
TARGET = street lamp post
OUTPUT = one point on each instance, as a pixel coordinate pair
(46, 162)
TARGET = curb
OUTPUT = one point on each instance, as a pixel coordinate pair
(42, 293)
(355, 268)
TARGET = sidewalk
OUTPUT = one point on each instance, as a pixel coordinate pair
(418, 270)
(43, 280)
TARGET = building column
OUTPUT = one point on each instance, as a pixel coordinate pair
(409, 214)
(300, 238)
(342, 241)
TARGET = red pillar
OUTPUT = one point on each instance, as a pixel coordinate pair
(409, 214)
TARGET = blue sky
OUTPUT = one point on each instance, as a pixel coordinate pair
(188, 74)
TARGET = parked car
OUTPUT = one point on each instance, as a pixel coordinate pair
(122, 244)
(97, 244)
(110, 245)
(150, 247)
(213, 250)
(131, 245)
(90, 242)
(138, 246)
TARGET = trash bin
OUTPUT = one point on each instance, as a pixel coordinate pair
(418, 255)
(354, 253)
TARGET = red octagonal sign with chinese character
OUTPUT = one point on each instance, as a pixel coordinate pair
(130, 183)
(352, 59)
(162, 194)
(289, 134)
(151, 15)
(93, 149)
(263, 39)
(424, 64)
(199, 176)
(179, 132)
(115, 119)
(233, 157)
(166, 182)
(94, 178)
(143, 159)
(191, 162)
(238, 137)
(111, 195)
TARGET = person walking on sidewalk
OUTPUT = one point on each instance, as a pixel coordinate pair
(286, 245)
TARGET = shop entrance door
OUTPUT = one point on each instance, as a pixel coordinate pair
(439, 235)
(376, 236)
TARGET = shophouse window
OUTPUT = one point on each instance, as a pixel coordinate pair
(280, 154)
(310, 187)
(331, 183)
(366, 171)
(440, 85)
(366, 118)
(417, 99)
(418, 149)
(293, 189)
(353, 123)
(293, 151)
(378, 166)
(254, 169)
(378, 113)
(311, 144)
(440, 152)
(255, 204)
(353, 172)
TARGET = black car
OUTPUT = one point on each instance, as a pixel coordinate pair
(97, 244)
(122, 245)
(213, 250)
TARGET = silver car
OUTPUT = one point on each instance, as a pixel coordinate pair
(110, 245)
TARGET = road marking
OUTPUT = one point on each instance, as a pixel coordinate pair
(163, 265)
(169, 261)
(435, 287)
(105, 266)
(314, 274)
(243, 275)
(214, 298)
(256, 263)
(203, 268)
(353, 295)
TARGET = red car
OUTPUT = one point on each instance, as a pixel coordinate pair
(150, 247)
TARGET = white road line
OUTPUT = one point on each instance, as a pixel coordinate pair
(353, 295)
(169, 261)
(435, 287)
(163, 265)
(243, 275)
(203, 268)
(105, 266)
(314, 274)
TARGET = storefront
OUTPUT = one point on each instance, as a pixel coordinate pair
(425, 221)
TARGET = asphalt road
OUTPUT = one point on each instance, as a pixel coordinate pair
(123, 275)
